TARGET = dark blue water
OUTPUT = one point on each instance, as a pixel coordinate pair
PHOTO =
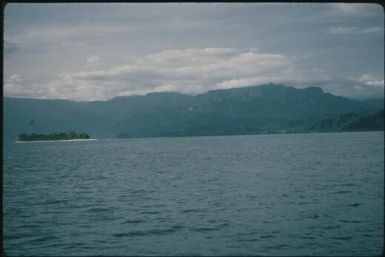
(295, 194)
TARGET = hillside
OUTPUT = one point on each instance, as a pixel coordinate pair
(250, 110)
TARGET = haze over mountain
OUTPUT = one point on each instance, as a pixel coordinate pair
(266, 108)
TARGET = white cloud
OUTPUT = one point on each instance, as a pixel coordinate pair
(353, 30)
(191, 70)
(14, 78)
(372, 30)
(13, 84)
(341, 30)
(68, 36)
(92, 60)
(371, 80)
(16, 86)
(375, 83)
(347, 8)
(353, 9)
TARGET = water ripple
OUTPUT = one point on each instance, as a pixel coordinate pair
(264, 195)
(151, 232)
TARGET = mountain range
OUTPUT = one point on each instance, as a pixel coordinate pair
(259, 109)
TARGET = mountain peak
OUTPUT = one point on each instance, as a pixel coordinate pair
(314, 89)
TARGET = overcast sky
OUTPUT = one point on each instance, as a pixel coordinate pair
(94, 51)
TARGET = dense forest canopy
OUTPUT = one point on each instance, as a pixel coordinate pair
(54, 136)
(258, 109)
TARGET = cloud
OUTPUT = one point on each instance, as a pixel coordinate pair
(372, 30)
(375, 83)
(13, 83)
(371, 80)
(341, 30)
(190, 70)
(353, 9)
(9, 47)
(16, 86)
(15, 78)
(92, 60)
(347, 8)
(63, 33)
(353, 30)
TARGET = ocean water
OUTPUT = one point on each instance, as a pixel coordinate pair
(293, 194)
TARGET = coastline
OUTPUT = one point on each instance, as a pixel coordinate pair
(63, 140)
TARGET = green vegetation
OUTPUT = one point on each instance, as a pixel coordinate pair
(352, 121)
(238, 111)
(54, 136)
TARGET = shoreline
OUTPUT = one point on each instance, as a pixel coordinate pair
(62, 140)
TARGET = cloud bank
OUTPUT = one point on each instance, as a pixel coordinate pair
(190, 71)
(354, 30)
(75, 51)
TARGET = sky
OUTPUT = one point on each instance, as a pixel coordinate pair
(98, 51)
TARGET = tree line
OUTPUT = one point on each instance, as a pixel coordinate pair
(53, 136)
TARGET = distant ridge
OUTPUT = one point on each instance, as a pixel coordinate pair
(266, 108)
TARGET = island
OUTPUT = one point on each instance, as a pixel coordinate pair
(53, 137)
